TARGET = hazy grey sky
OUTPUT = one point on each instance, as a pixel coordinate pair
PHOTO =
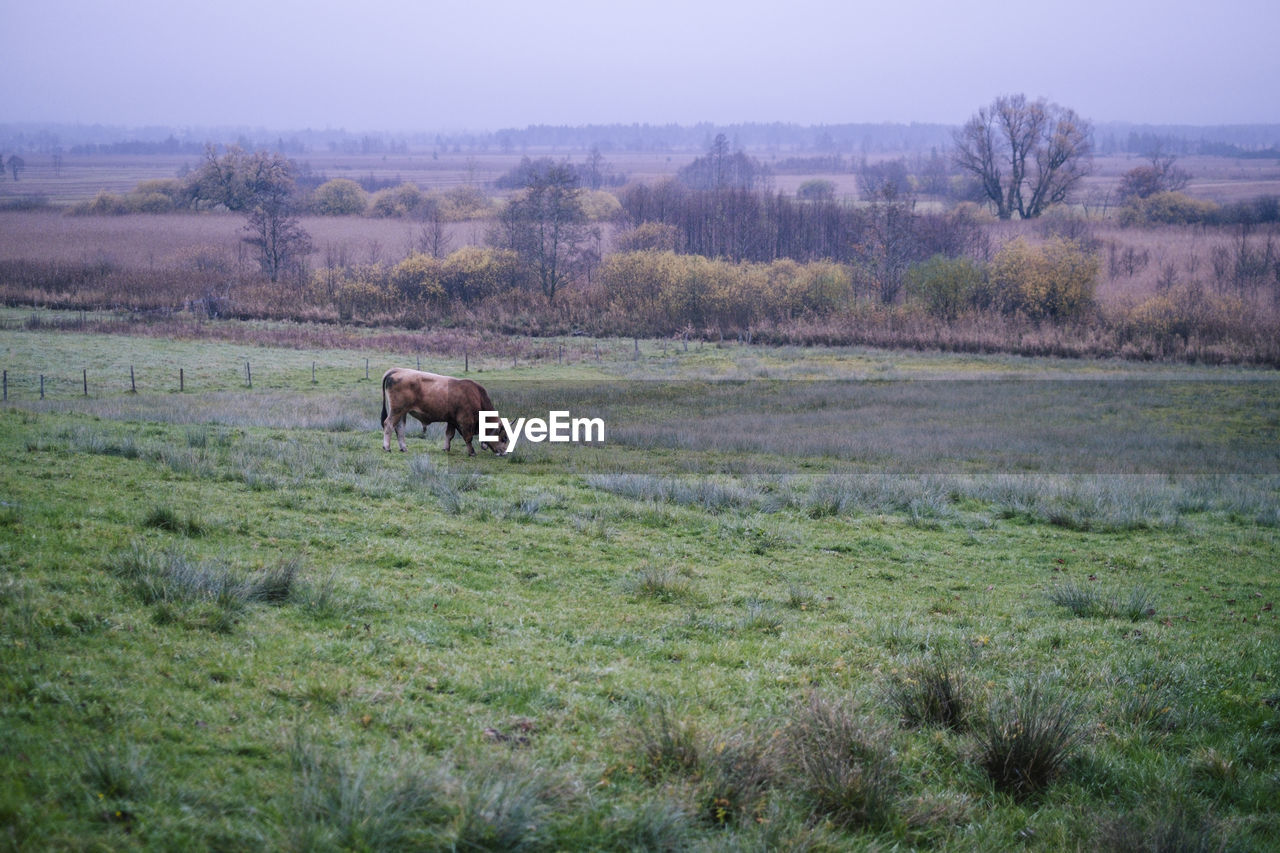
(488, 64)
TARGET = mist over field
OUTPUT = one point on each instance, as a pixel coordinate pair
(399, 65)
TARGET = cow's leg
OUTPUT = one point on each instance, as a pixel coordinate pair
(448, 437)
(400, 432)
(467, 435)
(386, 431)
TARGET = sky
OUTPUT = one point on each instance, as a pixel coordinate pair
(401, 65)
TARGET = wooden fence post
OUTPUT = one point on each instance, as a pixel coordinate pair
(466, 361)
(248, 374)
(133, 385)
(86, 382)
(6, 386)
(182, 380)
(41, 386)
(366, 370)
(313, 373)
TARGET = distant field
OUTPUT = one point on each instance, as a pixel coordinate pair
(80, 178)
(817, 598)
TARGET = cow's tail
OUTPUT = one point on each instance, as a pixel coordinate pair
(386, 397)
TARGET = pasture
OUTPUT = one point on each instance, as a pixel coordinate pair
(800, 599)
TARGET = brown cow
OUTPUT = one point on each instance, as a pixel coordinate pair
(430, 397)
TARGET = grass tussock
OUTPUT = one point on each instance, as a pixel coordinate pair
(207, 593)
(842, 763)
(665, 745)
(661, 583)
(507, 806)
(1026, 740)
(931, 692)
(1086, 601)
(118, 773)
(362, 804)
(167, 519)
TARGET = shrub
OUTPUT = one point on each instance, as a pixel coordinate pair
(419, 278)
(1168, 208)
(648, 237)
(817, 189)
(945, 285)
(472, 273)
(1025, 741)
(1054, 281)
(401, 202)
(340, 197)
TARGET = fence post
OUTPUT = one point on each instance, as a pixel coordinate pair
(133, 385)
(248, 374)
(86, 382)
(182, 380)
(466, 361)
(6, 386)
(313, 373)
(366, 370)
(41, 386)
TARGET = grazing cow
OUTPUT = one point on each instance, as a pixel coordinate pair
(430, 397)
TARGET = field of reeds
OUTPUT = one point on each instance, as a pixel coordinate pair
(801, 598)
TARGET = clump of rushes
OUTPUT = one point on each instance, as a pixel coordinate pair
(1080, 600)
(1025, 741)
(929, 693)
(842, 764)
(737, 772)
(665, 745)
(663, 584)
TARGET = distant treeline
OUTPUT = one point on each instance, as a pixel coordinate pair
(852, 139)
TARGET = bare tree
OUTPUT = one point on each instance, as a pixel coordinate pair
(546, 226)
(272, 224)
(1027, 155)
(1162, 175)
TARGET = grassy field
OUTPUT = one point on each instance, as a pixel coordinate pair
(799, 599)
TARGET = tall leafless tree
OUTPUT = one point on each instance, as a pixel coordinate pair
(546, 226)
(1027, 155)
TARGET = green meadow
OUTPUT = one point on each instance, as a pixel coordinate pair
(820, 599)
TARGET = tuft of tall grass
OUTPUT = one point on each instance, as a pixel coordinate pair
(118, 772)
(1025, 741)
(1088, 601)
(277, 585)
(1080, 599)
(660, 583)
(930, 693)
(365, 804)
(664, 745)
(705, 493)
(737, 772)
(651, 825)
(165, 518)
(842, 763)
(446, 483)
(1165, 829)
(506, 806)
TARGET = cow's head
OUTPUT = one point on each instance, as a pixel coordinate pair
(500, 446)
